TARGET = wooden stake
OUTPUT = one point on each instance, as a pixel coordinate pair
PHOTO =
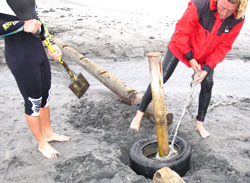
(160, 112)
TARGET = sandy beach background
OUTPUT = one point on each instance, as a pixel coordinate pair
(117, 36)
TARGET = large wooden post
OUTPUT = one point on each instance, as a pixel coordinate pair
(160, 112)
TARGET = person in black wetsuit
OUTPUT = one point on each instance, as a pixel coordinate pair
(202, 38)
(28, 62)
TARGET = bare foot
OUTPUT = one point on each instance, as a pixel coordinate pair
(135, 124)
(48, 151)
(57, 137)
(200, 128)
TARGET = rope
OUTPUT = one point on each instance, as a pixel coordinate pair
(221, 104)
(172, 151)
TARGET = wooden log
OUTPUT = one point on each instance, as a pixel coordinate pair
(166, 175)
(125, 92)
(160, 111)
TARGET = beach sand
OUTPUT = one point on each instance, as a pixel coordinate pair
(98, 123)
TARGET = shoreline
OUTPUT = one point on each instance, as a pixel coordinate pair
(106, 33)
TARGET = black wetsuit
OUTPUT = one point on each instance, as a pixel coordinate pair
(169, 64)
(28, 61)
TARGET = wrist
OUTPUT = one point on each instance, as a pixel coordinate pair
(206, 68)
(189, 55)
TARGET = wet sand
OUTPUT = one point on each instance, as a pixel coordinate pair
(98, 123)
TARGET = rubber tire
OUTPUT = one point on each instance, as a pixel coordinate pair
(142, 164)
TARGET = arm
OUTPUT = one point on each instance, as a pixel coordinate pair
(46, 30)
(56, 54)
(221, 50)
(10, 25)
(184, 28)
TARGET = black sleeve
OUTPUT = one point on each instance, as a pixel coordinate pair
(206, 68)
(189, 56)
(10, 25)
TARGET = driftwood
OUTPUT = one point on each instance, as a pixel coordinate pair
(166, 175)
(126, 93)
(121, 89)
(160, 111)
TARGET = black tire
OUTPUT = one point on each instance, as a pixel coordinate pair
(142, 151)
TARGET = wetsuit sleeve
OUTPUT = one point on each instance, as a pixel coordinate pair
(184, 27)
(10, 25)
(221, 50)
(46, 30)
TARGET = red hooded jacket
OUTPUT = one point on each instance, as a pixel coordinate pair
(200, 34)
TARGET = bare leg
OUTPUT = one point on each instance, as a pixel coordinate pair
(43, 146)
(47, 129)
(135, 124)
(201, 129)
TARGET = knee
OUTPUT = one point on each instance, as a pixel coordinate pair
(210, 84)
(165, 76)
(46, 99)
(207, 84)
(32, 106)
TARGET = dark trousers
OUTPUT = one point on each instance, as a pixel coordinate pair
(30, 66)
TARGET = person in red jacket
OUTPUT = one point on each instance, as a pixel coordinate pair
(202, 38)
